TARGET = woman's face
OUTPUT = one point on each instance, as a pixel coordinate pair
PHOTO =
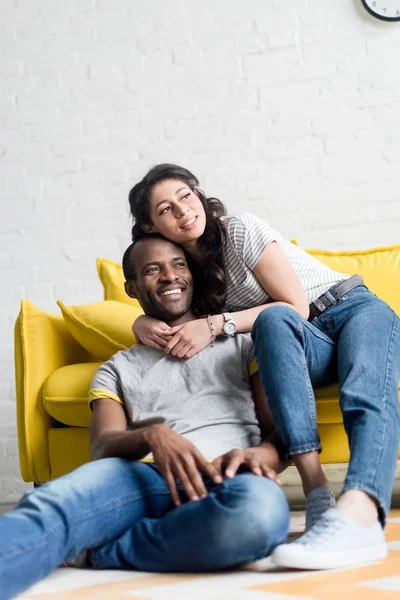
(176, 212)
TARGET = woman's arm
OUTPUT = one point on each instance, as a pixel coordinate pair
(280, 281)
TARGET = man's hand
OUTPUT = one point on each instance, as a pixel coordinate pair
(178, 458)
(189, 339)
(152, 332)
(229, 463)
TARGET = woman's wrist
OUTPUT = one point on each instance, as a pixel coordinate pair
(218, 321)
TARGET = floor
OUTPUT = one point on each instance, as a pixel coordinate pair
(257, 581)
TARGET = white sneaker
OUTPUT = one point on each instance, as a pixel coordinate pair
(318, 501)
(334, 542)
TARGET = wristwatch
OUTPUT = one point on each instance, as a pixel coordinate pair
(229, 327)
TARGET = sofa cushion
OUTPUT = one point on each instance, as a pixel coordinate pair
(112, 277)
(65, 394)
(103, 328)
(380, 268)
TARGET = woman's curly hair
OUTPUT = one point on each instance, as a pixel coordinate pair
(209, 277)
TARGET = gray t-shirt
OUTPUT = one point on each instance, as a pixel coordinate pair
(206, 398)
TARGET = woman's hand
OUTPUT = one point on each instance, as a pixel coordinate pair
(189, 339)
(152, 332)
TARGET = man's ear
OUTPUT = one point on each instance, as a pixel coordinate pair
(130, 288)
(148, 228)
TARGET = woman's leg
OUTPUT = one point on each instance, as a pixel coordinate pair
(241, 520)
(368, 337)
(293, 356)
(367, 334)
(90, 506)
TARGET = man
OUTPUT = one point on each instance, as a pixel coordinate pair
(180, 512)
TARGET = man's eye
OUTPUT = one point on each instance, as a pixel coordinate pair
(150, 270)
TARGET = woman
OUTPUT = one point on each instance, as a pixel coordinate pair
(311, 326)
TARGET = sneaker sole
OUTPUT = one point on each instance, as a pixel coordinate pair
(308, 560)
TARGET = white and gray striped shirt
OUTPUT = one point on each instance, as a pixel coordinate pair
(246, 239)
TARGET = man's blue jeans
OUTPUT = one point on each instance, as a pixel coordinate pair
(355, 342)
(123, 510)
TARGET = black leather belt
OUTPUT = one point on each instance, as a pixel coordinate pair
(331, 296)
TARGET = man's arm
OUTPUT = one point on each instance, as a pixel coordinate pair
(175, 456)
(109, 435)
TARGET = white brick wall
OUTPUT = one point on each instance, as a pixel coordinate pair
(287, 109)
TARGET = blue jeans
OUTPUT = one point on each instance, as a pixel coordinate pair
(357, 343)
(124, 511)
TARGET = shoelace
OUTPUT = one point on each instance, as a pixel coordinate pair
(323, 530)
(316, 508)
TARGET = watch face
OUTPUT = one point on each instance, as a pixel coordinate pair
(230, 328)
(387, 10)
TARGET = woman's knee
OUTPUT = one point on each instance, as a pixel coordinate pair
(275, 320)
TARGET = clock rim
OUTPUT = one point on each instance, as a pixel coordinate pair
(378, 16)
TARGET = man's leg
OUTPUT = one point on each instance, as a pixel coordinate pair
(90, 506)
(240, 520)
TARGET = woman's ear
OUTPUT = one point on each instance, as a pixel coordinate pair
(148, 228)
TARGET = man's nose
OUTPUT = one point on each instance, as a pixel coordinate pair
(169, 274)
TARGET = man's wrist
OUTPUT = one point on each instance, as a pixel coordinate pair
(151, 433)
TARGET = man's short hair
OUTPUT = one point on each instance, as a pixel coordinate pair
(127, 262)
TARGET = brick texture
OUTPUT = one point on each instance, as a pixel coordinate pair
(286, 109)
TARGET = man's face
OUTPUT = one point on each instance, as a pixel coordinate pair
(163, 283)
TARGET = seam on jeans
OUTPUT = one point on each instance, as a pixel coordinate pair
(311, 397)
(389, 366)
(382, 508)
(301, 448)
(86, 516)
(115, 504)
(318, 333)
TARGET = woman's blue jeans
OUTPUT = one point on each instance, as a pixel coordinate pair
(123, 510)
(357, 343)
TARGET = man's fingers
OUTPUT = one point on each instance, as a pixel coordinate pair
(170, 479)
(208, 468)
(270, 473)
(254, 463)
(217, 464)
(233, 464)
(194, 489)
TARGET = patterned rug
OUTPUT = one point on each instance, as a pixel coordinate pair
(256, 581)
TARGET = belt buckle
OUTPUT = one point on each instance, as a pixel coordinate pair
(320, 305)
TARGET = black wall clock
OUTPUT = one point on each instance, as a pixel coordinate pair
(386, 10)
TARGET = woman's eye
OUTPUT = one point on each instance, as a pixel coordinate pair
(186, 196)
(164, 210)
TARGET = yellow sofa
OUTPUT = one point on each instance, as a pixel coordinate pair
(57, 356)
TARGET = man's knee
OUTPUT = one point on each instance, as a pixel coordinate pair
(258, 514)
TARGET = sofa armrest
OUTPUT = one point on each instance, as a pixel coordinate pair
(43, 344)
